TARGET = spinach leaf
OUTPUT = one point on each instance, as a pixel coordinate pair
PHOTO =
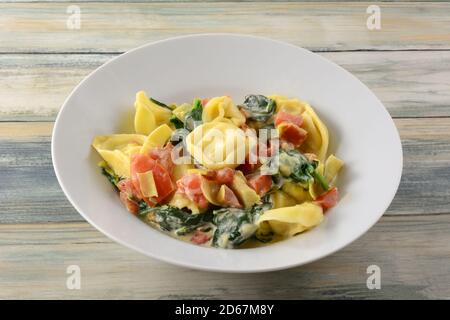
(294, 165)
(110, 175)
(234, 226)
(159, 103)
(176, 122)
(259, 107)
(173, 219)
(194, 117)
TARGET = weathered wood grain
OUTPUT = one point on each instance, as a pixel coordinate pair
(164, 1)
(29, 192)
(412, 252)
(410, 84)
(117, 27)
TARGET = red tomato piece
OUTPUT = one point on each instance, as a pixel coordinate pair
(163, 182)
(131, 206)
(141, 163)
(204, 101)
(163, 156)
(328, 199)
(283, 116)
(247, 167)
(190, 185)
(200, 237)
(293, 134)
(225, 175)
(260, 183)
(127, 187)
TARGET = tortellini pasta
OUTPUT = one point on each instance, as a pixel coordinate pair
(222, 109)
(217, 145)
(157, 138)
(289, 221)
(317, 139)
(291, 105)
(148, 114)
(332, 166)
(117, 149)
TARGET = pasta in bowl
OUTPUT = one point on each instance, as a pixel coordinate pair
(221, 174)
(346, 121)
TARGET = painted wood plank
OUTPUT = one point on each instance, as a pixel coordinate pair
(412, 84)
(117, 27)
(29, 192)
(411, 251)
(165, 1)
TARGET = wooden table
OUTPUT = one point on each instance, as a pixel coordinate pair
(406, 63)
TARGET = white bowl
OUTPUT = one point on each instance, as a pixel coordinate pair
(175, 70)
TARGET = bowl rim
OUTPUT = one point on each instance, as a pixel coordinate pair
(192, 265)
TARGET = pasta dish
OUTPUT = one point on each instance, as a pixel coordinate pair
(221, 174)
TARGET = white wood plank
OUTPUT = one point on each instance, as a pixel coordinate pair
(117, 27)
(412, 252)
(410, 84)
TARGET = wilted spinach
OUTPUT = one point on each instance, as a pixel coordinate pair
(159, 103)
(234, 226)
(173, 219)
(259, 107)
(110, 175)
(294, 165)
(194, 117)
(178, 124)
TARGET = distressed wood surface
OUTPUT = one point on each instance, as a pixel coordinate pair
(411, 84)
(206, 1)
(34, 258)
(29, 183)
(117, 27)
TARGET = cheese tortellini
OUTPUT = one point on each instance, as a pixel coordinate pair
(289, 221)
(117, 149)
(148, 114)
(222, 109)
(218, 144)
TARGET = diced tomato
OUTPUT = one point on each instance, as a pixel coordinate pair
(210, 175)
(141, 163)
(131, 206)
(247, 167)
(260, 183)
(328, 199)
(200, 237)
(163, 156)
(163, 182)
(230, 199)
(204, 101)
(266, 150)
(262, 151)
(293, 134)
(225, 176)
(190, 185)
(283, 116)
(221, 176)
(126, 186)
